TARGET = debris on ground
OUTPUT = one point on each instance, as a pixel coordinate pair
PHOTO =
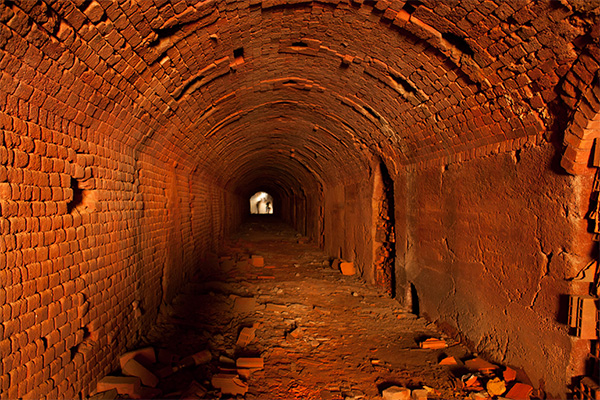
(307, 332)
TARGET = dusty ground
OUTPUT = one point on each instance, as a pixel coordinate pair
(322, 335)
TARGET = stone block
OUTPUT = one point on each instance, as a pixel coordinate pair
(509, 374)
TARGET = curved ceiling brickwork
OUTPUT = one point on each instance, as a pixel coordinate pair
(236, 85)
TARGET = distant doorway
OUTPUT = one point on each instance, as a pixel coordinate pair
(261, 203)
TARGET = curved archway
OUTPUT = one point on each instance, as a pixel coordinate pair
(261, 203)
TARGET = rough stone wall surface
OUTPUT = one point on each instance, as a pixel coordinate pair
(490, 246)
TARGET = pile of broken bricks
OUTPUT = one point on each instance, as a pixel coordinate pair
(142, 370)
(477, 378)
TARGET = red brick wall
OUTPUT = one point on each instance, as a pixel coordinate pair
(69, 278)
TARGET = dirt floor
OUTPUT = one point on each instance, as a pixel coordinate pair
(321, 335)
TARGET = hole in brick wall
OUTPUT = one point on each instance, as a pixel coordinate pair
(77, 196)
(164, 33)
(458, 42)
(411, 7)
(238, 53)
(299, 44)
(83, 199)
(261, 203)
(372, 112)
(405, 85)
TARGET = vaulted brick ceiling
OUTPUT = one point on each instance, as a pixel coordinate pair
(298, 93)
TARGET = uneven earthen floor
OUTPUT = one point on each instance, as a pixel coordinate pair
(322, 335)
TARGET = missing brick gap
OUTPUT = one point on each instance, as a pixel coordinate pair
(404, 83)
(516, 156)
(77, 200)
(83, 199)
(299, 44)
(411, 6)
(372, 112)
(238, 53)
(458, 42)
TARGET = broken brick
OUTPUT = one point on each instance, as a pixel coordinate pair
(347, 268)
(481, 365)
(448, 361)
(519, 391)
(134, 368)
(396, 393)
(145, 356)
(229, 384)
(129, 385)
(246, 336)
(509, 374)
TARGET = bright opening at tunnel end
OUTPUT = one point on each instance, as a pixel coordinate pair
(261, 203)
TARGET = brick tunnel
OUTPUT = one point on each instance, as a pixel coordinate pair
(445, 148)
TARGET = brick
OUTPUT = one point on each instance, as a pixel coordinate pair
(250, 362)
(146, 356)
(134, 368)
(396, 393)
(258, 261)
(347, 268)
(519, 391)
(246, 336)
(229, 384)
(245, 304)
(130, 386)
